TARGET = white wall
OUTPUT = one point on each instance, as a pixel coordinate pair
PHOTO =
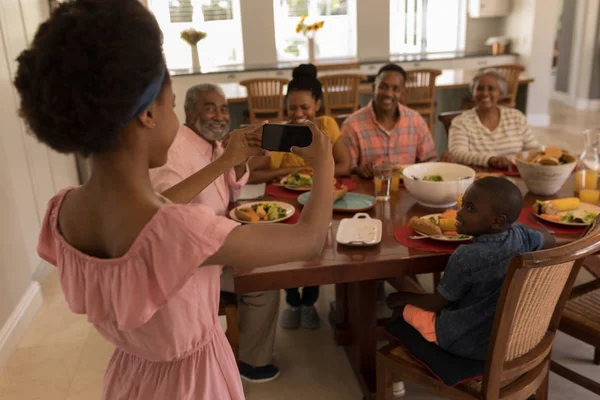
(373, 30)
(29, 173)
(258, 31)
(532, 28)
(479, 29)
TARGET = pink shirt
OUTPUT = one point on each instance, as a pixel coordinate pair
(154, 305)
(188, 154)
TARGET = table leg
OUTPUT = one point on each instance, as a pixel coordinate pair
(362, 318)
(338, 312)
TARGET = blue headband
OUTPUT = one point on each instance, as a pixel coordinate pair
(147, 97)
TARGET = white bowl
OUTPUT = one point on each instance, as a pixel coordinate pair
(438, 194)
(544, 180)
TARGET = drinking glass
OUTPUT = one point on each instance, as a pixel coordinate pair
(396, 176)
(586, 179)
(382, 176)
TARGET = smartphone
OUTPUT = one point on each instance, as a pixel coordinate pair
(282, 137)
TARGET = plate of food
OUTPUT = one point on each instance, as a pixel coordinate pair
(261, 212)
(345, 201)
(441, 227)
(299, 181)
(569, 211)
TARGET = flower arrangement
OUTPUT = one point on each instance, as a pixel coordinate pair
(192, 36)
(308, 29)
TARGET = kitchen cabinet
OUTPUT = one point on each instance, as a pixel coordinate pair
(489, 8)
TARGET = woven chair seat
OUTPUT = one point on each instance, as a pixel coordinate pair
(586, 307)
(473, 386)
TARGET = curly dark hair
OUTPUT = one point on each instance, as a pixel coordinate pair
(82, 75)
(304, 78)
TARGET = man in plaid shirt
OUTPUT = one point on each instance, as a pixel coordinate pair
(385, 130)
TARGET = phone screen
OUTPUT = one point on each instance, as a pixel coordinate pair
(282, 137)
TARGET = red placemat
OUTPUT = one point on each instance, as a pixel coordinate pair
(351, 185)
(402, 236)
(557, 228)
(277, 190)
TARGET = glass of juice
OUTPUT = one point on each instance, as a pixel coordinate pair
(396, 176)
(382, 177)
(586, 179)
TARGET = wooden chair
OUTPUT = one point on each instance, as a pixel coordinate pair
(228, 308)
(420, 93)
(265, 98)
(511, 73)
(581, 319)
(340, 118)
(446, 119)
(532, 299)
(341, 92)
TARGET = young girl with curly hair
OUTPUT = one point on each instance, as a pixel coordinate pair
(142, 267)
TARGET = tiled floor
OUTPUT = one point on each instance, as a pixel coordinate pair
(61, 357)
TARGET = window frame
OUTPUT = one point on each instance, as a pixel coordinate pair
(461, 11)
(229, 28)
(283, 41)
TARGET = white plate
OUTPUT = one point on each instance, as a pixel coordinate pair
(294, 188)
(289, 209)
(444, 238)
(298, 188)
(360, 230)
(579, 212)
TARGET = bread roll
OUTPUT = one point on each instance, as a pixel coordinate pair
(425, 227)
(339, 193)
(246, 214)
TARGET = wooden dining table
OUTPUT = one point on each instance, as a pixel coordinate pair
(356, 270)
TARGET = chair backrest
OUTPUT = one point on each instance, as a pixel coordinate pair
(341, 92)
(511, 73)
(447, 117)
(340, 118)
(420, 86)
(532, 299)
(265, 97)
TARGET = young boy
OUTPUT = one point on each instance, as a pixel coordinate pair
(460, 315)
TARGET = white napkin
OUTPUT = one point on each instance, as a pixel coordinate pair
(253, 192)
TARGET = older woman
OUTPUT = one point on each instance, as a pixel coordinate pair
(487, 134)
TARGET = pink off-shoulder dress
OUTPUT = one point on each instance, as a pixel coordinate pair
(154, 304)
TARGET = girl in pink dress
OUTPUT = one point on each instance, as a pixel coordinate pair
(142, 267)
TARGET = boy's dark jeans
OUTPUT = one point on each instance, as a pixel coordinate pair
(309, 297)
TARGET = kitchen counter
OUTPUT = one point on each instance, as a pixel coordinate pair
(333, 64)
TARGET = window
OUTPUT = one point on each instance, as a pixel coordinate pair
(419, 26)
(221, 21)
(340, 22)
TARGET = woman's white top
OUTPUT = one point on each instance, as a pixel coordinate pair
(471, 143)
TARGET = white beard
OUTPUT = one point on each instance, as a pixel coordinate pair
(207, 132)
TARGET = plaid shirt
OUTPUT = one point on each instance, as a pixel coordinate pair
(408, 142)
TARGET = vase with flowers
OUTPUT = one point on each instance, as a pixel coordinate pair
(192, 37)
(309, 31)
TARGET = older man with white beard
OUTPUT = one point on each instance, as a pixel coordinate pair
(197, 144)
